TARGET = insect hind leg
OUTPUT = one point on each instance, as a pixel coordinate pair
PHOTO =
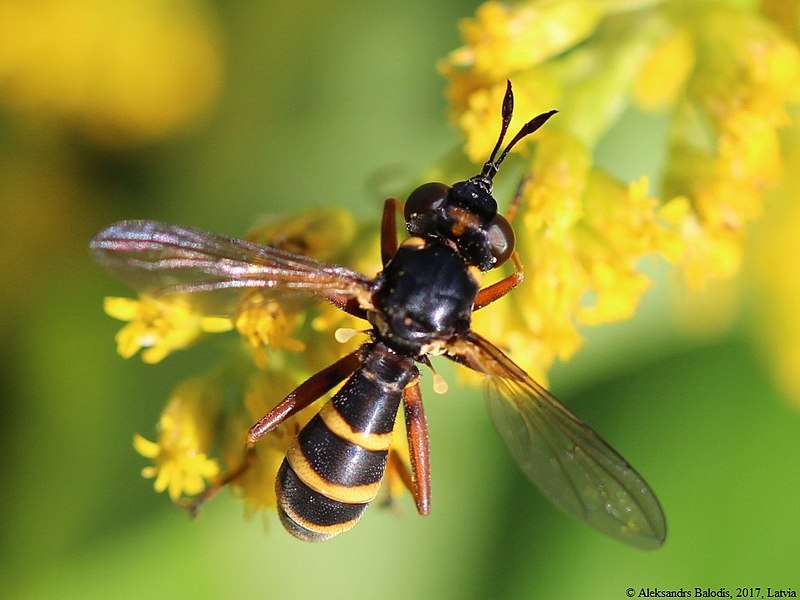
(304, 395)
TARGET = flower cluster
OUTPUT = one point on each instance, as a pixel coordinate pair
(181, 462)
(157, 326)
(721, 76)
(202, 432)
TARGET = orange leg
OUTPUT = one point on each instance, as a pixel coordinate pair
(517, 199)
(306, 393)
(418, 449)
(501, 288)
(389, 230)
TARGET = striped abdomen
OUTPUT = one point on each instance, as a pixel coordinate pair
(334, 468)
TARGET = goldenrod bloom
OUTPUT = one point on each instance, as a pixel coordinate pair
(256, 486)
(185, 435)
(582, 236)
(267, 323)
(723, 77)
(159, 325)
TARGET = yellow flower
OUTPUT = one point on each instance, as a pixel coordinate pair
(723, 78)
(160, 325)
(185, 435)
(727, 151)
(505, 38)
(664, 73)
(585, 234)
(558, 54)
(266, 323)
(776, 275)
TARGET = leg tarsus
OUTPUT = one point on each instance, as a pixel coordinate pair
(193, 505)
(306, 393)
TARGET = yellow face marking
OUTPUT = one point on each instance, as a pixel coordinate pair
(357, 494)
(463, 220)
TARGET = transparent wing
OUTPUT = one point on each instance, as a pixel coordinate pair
(571, 464)
(160, 259)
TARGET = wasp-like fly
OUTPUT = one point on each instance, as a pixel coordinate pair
(420, 305)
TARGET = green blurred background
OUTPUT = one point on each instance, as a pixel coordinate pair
(330, 104)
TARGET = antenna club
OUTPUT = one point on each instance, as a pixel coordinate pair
(527, 129)
(508, 102)
(492, 166)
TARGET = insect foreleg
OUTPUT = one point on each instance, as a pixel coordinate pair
(500, 288)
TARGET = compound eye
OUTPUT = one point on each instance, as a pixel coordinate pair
(501, 239)
(426, 198)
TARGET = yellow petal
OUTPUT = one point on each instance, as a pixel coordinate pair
(145, 447)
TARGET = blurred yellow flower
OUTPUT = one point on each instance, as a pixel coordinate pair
(725, 151)
(776, 274)
(664, 73)
(256, 485)
(321, 233)
(185, 435)
(123, 72)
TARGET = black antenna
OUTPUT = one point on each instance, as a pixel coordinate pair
(492, 166)
(507, 112)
